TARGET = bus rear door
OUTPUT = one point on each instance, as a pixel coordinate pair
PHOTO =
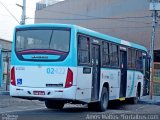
(123, 67)
(96, 72)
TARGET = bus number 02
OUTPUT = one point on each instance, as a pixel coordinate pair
(55, 71)
(50, 70)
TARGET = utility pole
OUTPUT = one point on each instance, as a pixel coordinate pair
(23, 21)
(154, 7)
(23, 17)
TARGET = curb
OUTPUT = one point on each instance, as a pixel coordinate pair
(4, 92)
(149, 102)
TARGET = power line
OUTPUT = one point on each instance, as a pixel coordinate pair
(9, 12)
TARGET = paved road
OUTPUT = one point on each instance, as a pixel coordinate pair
(9, 104)
(17, 109)
(71, 112)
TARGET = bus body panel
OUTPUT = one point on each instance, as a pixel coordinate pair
(140, 79)
(50, 93)
(84, 84)
(130, 83)
(42, 76)
(133, 78)
(30, 78)
(111, 76)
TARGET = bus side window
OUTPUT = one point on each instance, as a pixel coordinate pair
(139, 61)
(83, 50)
(105, 54)
(114, 62)
(131, 58)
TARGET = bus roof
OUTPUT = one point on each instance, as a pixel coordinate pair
(89, 32)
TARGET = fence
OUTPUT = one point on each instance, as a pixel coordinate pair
(156, 80)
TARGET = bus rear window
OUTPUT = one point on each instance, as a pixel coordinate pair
(57, 40)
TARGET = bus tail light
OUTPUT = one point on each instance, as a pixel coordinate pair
(13, 81)
(69, 79)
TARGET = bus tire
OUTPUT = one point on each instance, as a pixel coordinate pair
(134, 100)
(103, 103)
(50, 104)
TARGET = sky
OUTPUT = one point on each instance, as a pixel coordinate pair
(7, 22)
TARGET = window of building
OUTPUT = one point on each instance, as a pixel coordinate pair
(105, 53)
(83, 50)
(114, 55)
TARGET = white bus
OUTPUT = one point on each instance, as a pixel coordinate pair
(61, 63)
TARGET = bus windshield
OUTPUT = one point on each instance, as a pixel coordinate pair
(42, 39)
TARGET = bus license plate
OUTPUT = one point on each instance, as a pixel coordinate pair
(39, 92)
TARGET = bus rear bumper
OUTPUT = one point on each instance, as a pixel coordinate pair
(43, 93)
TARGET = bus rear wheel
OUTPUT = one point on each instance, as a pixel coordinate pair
(50, 104)
(102, 105)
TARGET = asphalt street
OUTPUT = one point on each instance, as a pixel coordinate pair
(18, 109)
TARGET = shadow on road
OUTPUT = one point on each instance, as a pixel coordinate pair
(113, 105)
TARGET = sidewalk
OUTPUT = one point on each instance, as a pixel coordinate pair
(3, 91)
(147, 99)
(10, 104)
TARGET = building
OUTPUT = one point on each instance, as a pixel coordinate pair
(130, 20)
(6, 57)
(126, 19)
(44, 3)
